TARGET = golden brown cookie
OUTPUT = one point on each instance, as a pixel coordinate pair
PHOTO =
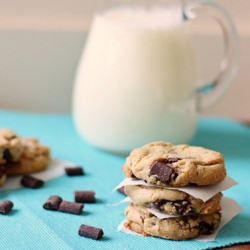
(172, 201)
(11, 147)
(35, 158)
(143, 222)
(164, 164)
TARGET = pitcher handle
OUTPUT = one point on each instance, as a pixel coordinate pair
(211, 92)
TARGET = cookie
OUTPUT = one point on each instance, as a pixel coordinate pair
(164, 164)
(2, 175)
(140, 220)
(11, 147)
(171, 201)
(35, 158)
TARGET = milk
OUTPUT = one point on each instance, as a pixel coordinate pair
(136, 80)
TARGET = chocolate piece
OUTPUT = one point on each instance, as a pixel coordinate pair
(121, 190)
(73, 171)
(70, 207)
(90, 232)
(7, 155)
(132, 175)
(31, 182)
(162, 171)
(172, 160)
(180, 206)
(5, 206)
(87, 196)
(52, 203)
(206, 228)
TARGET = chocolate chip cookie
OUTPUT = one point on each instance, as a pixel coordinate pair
(11, 147)
(164, 164)
(34, 158)
(171, 201)
(143, 222)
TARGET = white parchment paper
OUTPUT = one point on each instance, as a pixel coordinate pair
(204, 192)
(55, 169)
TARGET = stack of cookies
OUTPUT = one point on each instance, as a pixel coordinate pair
(162, 165)
(20, 156)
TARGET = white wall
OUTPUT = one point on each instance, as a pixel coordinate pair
(40, 44)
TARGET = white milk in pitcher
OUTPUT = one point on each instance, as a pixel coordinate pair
(136, 80)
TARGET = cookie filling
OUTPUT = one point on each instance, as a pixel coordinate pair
(163, 170)
(182, 207)
(205, 228)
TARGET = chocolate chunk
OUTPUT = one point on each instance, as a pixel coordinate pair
(162, 171)
(172, 160)
(180, 206)
(52, 203)
(31, 182)
(73, 171)
(90, 232)
(121, 190)
(132, 175)
(7, 155)
(87, 196)
(206, 228)
(5, 206)
(70, 207)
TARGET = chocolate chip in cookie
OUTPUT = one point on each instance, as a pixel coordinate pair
(162, 171)
(205, 228)
(171, 160)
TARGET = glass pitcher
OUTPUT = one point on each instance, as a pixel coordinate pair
(137, 77)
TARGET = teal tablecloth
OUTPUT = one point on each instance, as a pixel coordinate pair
(29, 226)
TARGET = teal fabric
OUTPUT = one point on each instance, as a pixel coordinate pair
(29, 226)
